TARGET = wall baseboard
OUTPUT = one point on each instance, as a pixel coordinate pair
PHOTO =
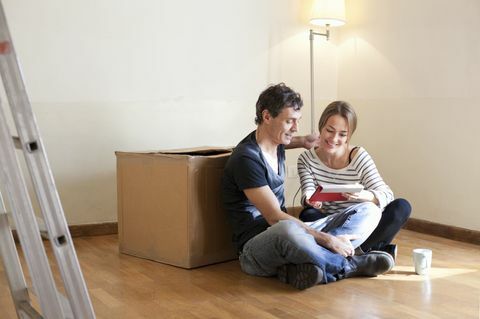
(93, 229)
(414, 224)
(98, 229)
(429, 228)
(441, 230)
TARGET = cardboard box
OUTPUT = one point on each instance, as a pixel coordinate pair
(170, 209)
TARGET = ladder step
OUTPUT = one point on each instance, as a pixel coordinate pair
(17, 142)
(27, 309)
(41, 226)
(31, 146)
(67, 309)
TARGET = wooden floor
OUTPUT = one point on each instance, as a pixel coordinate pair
(128, 287)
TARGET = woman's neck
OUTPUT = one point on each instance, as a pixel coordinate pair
(336, 160)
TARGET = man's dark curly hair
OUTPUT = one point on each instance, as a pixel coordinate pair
(274, 99)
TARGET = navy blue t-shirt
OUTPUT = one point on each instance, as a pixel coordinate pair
(247, 168)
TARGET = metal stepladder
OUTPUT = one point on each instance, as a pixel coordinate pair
(77, 303)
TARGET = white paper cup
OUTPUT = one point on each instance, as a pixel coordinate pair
(422, 260)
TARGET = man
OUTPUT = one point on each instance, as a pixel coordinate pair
(271, 242)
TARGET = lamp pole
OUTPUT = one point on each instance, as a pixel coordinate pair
(312, 77)
(312, 94)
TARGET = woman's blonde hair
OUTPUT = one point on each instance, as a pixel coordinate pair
(342, 108)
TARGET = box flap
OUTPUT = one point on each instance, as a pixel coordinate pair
(198, 151)
(194, 151)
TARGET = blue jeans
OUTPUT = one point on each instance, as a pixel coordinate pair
(394, 216)
(287, 242)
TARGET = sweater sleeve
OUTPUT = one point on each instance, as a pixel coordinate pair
(307, 181)
(370, 178)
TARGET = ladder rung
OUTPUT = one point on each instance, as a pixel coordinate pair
(31, 146)
(67, 309)
(42, 228)
(28, 310)
(17, 142)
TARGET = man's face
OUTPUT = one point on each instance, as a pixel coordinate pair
(282, 128)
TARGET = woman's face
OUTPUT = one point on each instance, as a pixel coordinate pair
(334, 135)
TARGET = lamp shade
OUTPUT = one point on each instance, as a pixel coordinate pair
(331, 12)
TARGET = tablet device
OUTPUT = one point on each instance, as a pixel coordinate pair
(333, 192)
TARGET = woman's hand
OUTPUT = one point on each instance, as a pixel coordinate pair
(316, 205)
(362, 196)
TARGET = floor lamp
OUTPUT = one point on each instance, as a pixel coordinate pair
(324, 13)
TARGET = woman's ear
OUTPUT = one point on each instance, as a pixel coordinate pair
(349, 136)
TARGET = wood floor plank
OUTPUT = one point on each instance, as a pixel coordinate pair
(123, 286)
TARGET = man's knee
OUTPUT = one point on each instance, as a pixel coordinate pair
(288, 234)
(286, 228)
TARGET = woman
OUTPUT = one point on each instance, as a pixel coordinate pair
(336, 161)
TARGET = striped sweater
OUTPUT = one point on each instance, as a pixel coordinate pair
(361, 170)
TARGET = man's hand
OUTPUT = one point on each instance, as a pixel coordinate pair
(311, 140)
(340, 244)
(307, 141)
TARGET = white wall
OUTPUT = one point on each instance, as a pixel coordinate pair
(148, 74)
(412, 70)
(154, 74)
